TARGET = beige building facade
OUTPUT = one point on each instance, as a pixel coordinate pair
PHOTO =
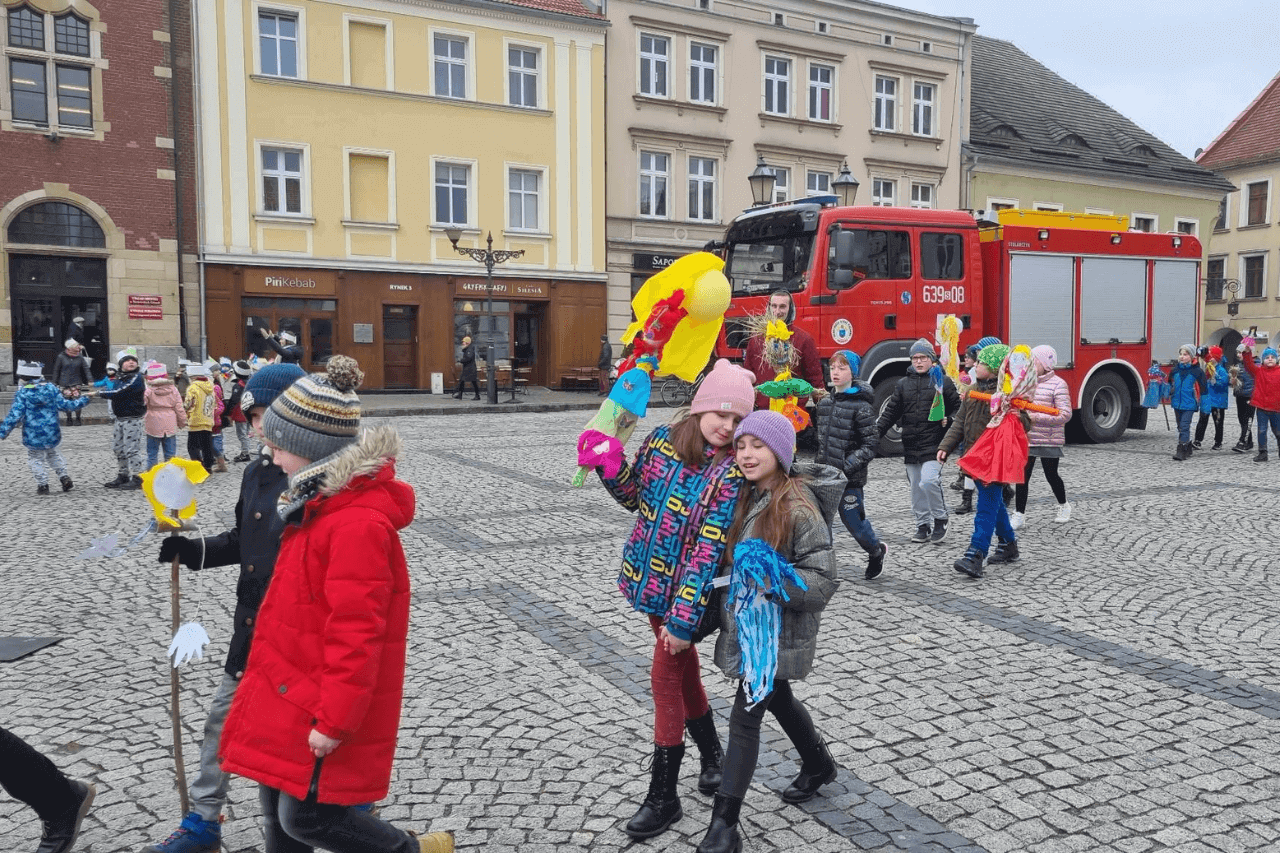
(701, 90)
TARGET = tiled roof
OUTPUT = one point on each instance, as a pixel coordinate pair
(560, 7)
(1024, 113)
(1254, 135)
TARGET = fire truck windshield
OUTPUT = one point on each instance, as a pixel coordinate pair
(773, 262)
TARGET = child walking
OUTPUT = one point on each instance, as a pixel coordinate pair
(1047, 437)
(36, 405)
(685, 486)
(1218, 381)
(788, 517)
(315, 718)
(235, 410)
(1242, 382)
(1188, 392)
(128, 405)
(202, 406)
(847, 440)
(165, 414)
(1266, 394)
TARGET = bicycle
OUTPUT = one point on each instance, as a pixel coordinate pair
(677, 393)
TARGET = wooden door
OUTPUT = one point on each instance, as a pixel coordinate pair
(400, 346)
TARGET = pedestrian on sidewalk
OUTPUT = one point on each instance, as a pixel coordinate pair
(604, 363)
(786, 515)
(252, 543)
(36, 405)
(1242, 384)
(240, 373)
(1047, 438)
(59, 802)
(201, 405)
(847, 441)
(467, 358)
(1188, 393)
(315, 718)
(1218, 381)
(685, 486)
(1266, 393)
(165, 415)
(128, 404)
(70, 370)
(908, 407)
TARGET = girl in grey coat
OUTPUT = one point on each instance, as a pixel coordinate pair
(792, 511)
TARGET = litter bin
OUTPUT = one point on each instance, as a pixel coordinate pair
(437, 383)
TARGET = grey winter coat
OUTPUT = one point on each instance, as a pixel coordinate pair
(847, 435)
(68, 371)
(909, 406)
(811, 554)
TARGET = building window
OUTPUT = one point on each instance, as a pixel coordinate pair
(26, 28)
(1222, 222)
(71, 35)
(922, 195)
(654, 171)
(1257, 210)
(886, 107)
(926, 47)
(1145, 222)
(997, 204)
(1215, 272)
(522, 77)
(1047, 206)
(777, 85)
(522, 198)
(278, 44)
(922, 109)
(75, 96)
(1254, 271)
(30, 92)
(40, 86)
(1187, 226)
(817, 183)
(452, 183)
(56, 223)
(702, 72)
(702, 189)
(450, 65)
(883, 192)
(282, 180)
(782, 186)
(655, 54)
(821, 78)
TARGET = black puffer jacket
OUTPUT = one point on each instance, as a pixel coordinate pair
(909, 406)
(70, 370)
(128, 397)
(847, 436)
(468, 361)
(253, 543)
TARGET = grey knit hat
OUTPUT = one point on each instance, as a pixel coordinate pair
(319, 414)
(922, 347)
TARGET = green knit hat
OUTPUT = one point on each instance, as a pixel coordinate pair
(319, 414)
(993, 355)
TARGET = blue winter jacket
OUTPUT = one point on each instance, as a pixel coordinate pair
(37, 406)
(1244, 387)
(1184, 379)
(1219, 387)
(127, 398)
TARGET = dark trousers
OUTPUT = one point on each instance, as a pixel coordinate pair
(1050, 465)
(30, 777)
(462, 383)
(744, 734)
(1202, 426)
(300, 826)
(1244, 414)
(200, 447)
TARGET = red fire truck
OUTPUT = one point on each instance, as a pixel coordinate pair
(875, 279)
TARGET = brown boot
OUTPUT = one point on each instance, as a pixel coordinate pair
(220, 465)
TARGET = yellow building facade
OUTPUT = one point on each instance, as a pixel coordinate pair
(340, 140)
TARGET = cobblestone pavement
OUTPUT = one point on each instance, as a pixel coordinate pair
(1117, 689)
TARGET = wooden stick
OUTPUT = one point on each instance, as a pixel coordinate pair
(1018, 403)
(173, 691)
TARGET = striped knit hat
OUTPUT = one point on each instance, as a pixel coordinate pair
(319, 414)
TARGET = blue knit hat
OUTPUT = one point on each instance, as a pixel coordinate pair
(1270, 351)
(855, 362)
(988, 341)
(265, 385)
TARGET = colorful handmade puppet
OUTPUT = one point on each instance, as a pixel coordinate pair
(948, 337)
(759, 576)
(1000, 453)
(780, 356)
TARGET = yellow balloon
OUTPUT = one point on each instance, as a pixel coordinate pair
(709, 297)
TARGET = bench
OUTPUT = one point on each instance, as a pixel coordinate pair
(580, 378)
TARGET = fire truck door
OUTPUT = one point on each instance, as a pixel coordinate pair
(881, 301)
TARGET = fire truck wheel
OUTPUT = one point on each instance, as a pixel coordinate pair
(891, 444)
(1105, 408)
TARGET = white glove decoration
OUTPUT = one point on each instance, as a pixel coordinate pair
(188, 643)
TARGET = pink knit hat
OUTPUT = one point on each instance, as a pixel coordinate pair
(1046, 356)
(727, 388)
(156, 370)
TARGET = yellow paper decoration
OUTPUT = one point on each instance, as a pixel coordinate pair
(706, 298)
(158, 479)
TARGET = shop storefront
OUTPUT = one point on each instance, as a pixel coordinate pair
(402, 327)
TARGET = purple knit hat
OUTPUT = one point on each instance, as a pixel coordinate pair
(727, 388)
(777, 433)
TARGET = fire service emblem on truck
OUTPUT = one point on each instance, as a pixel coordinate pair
(842, 331)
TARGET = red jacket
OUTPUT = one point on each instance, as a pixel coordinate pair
(1266, 384)
(808, 368)
(329, 648)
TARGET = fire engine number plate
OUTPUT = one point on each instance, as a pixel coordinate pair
(942, 293)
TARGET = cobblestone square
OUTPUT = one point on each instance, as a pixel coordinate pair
(1116, 689)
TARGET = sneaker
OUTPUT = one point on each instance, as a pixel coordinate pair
(67, 485)
(1064, 513)
(42, 489)
(1016, 519)
(434, 842)
(1240, 447)
(242, 457)
(939, 534)
(1196, 444)
(970, 564)
(59, 834)
(1262, 456)
(875, 564)
(119, 481)
(1005, 552)
(132, 484)
(922, 534)
(194, 835)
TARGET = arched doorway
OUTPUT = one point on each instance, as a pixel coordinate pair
(57, 273)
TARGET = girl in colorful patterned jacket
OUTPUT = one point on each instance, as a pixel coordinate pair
(1047, 436)
(685, 486)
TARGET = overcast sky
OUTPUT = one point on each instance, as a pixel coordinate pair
(1180, 70)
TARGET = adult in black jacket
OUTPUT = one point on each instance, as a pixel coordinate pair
(604, 363)
(253, 543)
(908, 407)
(285, 345)
(468, 361)
(71, 370)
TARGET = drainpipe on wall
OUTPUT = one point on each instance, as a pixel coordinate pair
(177, 174)
(199, 158)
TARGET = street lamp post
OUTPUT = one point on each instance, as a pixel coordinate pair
(490, 259)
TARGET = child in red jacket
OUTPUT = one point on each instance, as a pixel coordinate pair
(315, 718)
(1266, 392)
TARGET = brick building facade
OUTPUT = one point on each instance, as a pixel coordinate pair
(97, 192)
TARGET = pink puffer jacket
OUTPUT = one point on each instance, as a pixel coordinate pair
(165, 413)
(1050, 430)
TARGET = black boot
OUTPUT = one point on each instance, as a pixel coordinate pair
(59, 834)
(1007, 493)
(703, 732)
(1262, 455)
(67, 485)
(1248, 440)
(971, 563)
(1240, 447)
(661, 807)
(1005, 552)
(1181, 453)
(722, 835)
(119, 481)
(816, 770)
(966, 503)
(958, 485)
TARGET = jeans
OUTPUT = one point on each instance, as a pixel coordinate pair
(927, 501)
(217, 444)
(1267, 419)
(1184, 417)
(29, 776)
(678, 695)
(989, 517)
(40, 457)
(744, 734)
(209, 790)
(155, 444)
(853, 512)
(299, 826)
